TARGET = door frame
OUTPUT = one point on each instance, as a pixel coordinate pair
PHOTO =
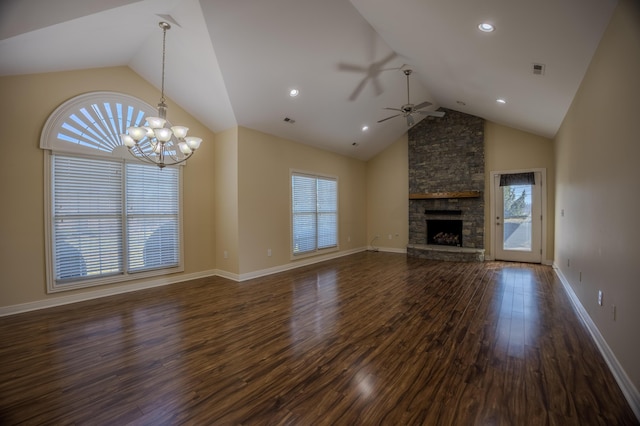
(543, 209)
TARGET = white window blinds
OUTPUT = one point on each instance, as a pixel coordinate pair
(314, 213)
(87, 218)
(152, 217)
(112, 218)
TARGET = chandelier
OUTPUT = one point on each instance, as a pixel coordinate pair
(155, 143)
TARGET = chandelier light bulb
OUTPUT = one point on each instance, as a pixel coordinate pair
(137, 133)
(156, 122)
(163, 134)
(184, 148)
(128, 141)
(180, 131)
(193, 142)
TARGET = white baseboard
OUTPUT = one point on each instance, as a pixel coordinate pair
(393, 250)
(293, 265)
(628, 389)
(228, 275)
(104, 292)
(546, 262)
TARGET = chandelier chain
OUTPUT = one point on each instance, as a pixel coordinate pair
(164, 49)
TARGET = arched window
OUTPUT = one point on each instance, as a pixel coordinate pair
(109, 217)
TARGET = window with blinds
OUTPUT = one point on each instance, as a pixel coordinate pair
(109, 218)
(87, 218)
(112, 218)
(314, 212)
(152, 217)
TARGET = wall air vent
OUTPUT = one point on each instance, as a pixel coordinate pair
(537, 69)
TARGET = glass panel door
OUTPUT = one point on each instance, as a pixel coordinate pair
(518, 222)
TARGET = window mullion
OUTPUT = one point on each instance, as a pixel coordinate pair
(317, 214)
(125, 220)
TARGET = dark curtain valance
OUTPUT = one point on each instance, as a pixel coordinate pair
(518, 179)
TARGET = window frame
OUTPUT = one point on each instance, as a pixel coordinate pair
(316, 251)
(53, 147)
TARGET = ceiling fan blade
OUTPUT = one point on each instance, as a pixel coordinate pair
(385, 119)
(376, 85)
(389, 57)
(350, 67)
(410, 121)
(356, 92)
(394, 109)
(432, 113)
(422, 105)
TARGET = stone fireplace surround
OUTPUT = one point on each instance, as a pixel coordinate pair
(446, 175)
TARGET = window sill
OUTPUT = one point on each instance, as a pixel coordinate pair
(53, 287)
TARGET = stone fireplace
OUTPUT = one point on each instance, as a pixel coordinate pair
(446, 188)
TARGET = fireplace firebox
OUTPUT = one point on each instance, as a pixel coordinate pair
(444, 232)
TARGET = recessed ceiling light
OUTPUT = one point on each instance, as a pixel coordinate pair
(486, 27)
(365, 128)
(501, 101)
(294, 92)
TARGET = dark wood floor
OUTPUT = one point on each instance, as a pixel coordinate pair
(372, 338)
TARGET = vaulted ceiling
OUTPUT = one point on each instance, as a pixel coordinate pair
(233, 62)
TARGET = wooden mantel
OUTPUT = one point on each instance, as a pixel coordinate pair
(432, 195)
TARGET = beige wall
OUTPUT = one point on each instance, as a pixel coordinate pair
(598, 188)
(264, 163)
(226, 201)
(388, 197)
(510, 149)
(27, 103)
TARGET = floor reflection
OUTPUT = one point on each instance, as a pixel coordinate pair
(315, 310)
(122, 340)
(516, 305)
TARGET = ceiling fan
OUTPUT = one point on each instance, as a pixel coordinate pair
(407, 110)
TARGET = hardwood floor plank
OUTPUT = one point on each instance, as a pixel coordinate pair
(371, 338)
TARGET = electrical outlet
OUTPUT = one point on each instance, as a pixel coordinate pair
(226, 254)
(269, 252)
(600, 297)
(562, 212)
(349, 239)
(390, 236)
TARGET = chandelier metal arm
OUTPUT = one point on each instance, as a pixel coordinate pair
(158, 160)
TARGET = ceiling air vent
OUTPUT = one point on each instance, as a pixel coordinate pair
(538, 69)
